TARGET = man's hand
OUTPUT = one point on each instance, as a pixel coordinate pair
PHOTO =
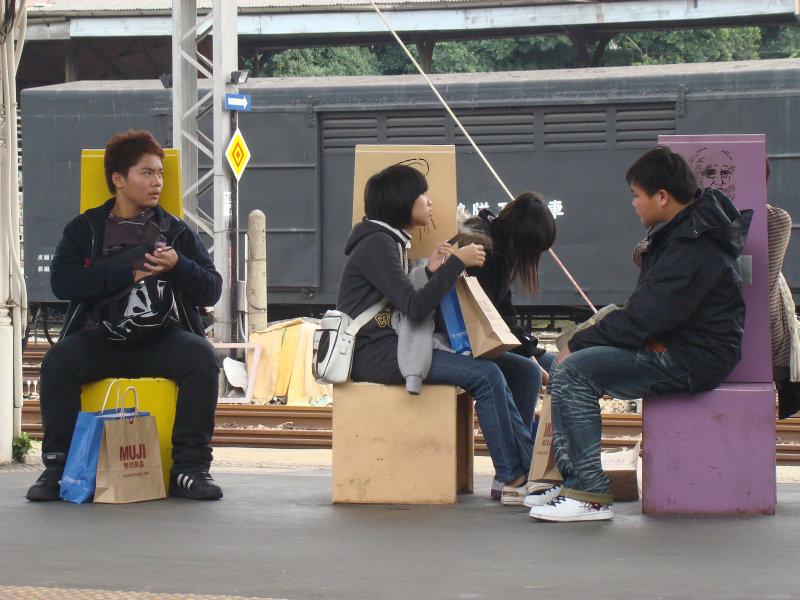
(161, 260)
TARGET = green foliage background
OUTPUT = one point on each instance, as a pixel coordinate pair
(540, 52)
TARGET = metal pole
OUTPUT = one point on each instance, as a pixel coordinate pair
(233, 245)
(184, 96)
(225, 61)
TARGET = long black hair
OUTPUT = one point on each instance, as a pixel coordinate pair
(526, 228)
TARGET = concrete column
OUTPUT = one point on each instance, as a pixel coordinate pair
(256, 272)
(6, 385)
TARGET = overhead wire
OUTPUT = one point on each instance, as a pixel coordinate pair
(472, 142)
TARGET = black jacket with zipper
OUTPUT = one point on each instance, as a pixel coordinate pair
(689, 294)
(74, 277)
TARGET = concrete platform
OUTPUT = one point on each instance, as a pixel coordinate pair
(277, 535)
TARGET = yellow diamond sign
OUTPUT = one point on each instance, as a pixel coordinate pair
(238, 154)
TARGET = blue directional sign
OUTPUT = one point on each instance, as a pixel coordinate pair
(237, 101)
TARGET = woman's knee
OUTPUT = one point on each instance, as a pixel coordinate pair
(520, 365)
(532, 371)
(490, 379)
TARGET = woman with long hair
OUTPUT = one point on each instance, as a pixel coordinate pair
(514, 241)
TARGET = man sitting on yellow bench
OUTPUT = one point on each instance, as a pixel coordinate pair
(84, 272)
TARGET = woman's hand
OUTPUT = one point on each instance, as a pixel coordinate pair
(472, 255)
(438, 256)
(545, 374)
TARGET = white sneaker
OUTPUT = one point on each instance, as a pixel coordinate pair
(541, 497)
(516, 495)
(562, 509)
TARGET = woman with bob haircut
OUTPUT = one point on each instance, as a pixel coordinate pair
(376, 267)
(514, 241)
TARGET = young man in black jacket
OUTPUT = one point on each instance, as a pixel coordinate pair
(680, 331)
(81, 274)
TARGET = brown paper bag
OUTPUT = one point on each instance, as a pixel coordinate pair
(543, 463)
(489, 335)
(129, 463)
(620, 466)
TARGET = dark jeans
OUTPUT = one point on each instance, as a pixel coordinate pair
(576, 386)
(546, 361)
(175, 354)
(507, 436)
(524, 379)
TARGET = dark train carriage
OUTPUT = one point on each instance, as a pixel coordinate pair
(568, 134)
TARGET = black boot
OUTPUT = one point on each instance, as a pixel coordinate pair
(48, 486)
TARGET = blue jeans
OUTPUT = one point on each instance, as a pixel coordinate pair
(524, 378)
(576, 385)
(507, 436)
(546, 361)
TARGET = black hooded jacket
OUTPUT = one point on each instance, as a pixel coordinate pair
(689, 294)
(376, 268)
(74, 277)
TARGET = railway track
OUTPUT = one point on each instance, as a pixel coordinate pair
(309, 427)
(261, 426)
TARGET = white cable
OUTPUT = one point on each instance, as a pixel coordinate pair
(472, 142)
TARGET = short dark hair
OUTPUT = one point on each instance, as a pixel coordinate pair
(390, 194)
(663, 169)
(126, 149)
(527, 228)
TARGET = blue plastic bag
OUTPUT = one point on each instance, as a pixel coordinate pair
(80, 472)
(454, 321)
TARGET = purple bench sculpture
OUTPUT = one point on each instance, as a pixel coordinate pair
(715, 452)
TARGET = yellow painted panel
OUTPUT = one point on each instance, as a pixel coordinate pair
(94, 190)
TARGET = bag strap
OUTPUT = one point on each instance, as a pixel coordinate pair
(121, 402)
(108, 393)
(365, 316)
